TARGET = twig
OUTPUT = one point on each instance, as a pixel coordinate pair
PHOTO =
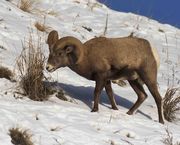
(127, 141)
(105, 28)
(87, 28)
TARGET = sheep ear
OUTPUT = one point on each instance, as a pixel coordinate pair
(69, 49)
(52, 38)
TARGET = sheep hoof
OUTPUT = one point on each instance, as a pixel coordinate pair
(115, 108)
(129, 112)
(161, 121)
(94, 110)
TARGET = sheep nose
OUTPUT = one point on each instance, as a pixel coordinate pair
(47, 68)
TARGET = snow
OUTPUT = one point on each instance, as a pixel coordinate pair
(73, 123)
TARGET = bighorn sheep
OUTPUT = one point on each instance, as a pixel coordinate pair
(105, 59)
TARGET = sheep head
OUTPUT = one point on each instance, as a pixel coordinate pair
(66, 51)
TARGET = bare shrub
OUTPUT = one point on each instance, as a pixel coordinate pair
(6, 73)
(168, 140)
(30, 65)
(171, 103)
(19, 137)
(26, 5)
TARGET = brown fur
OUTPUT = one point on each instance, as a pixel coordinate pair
(105, 59)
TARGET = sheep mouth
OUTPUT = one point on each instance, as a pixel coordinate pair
(51, 70)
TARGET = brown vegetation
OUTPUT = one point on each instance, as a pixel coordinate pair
(171, 104)
(6, 73)
(30, 65)
(53, 13)
(26, 5)
(41, 27)
(19, 137)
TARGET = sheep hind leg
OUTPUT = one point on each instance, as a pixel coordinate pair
(150, 79)
(138, 88)
(109, 92)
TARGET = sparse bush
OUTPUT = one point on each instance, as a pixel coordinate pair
(19, 137)
(6, 73)
(168, 140)
(171, 103)
(26, 5)
(30, 65)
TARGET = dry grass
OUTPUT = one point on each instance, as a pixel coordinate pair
(168, 140)
(42, 27)
(171, 104)
(31, 6)
(30, 65)
(121, 83)
(93, 5)
(61, 95)
(6, 73)
(26, 5)
(19, 137)
(2, 47)
(112, 142)
(161, 30)
(55, 129)
(53, 13)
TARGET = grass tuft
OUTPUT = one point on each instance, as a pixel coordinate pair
(31, 65)
(19, 137)
(26, 5)
(41, 27)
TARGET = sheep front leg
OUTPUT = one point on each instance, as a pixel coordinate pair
(100, 83)
(109, 92)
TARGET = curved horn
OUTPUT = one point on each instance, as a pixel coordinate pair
(76, 44)
(52, 39)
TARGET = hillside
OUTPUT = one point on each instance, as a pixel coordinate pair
(72, 123)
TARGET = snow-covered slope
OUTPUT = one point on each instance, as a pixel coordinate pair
(75, 124)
